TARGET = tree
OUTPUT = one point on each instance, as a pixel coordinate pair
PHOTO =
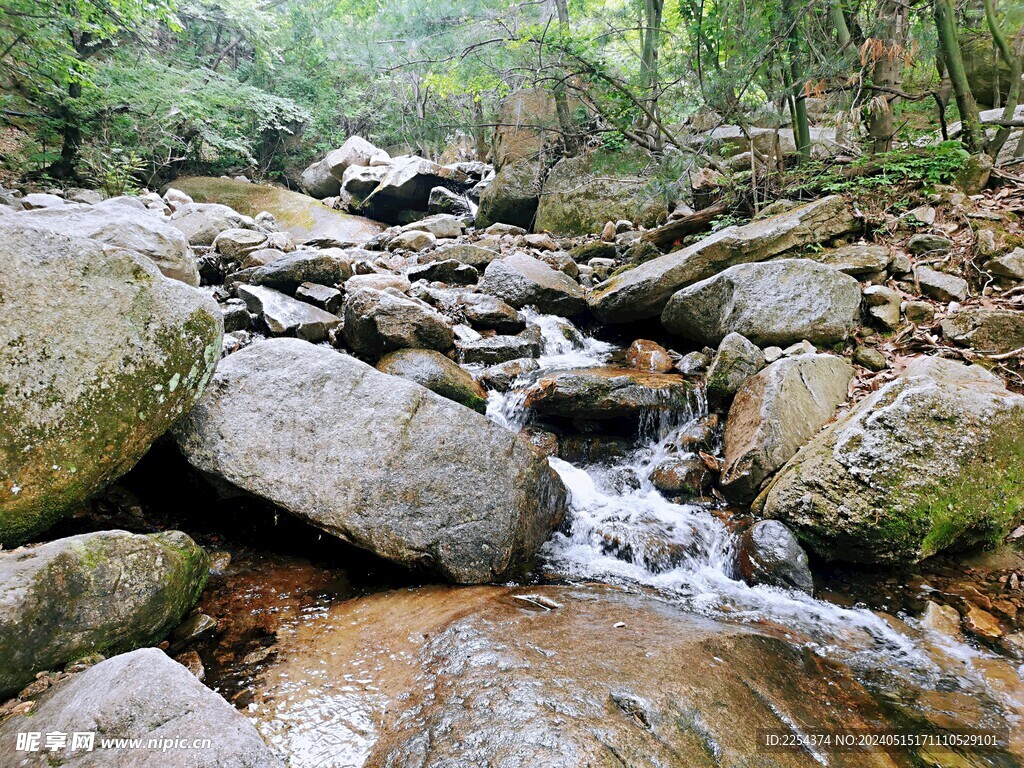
(949, 48)
(47, 48)
(1014, 58)
(885, 52)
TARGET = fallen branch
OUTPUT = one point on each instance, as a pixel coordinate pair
(665, 235)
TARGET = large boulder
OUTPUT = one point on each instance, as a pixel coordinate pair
(355, 452)
(778, 302)
(406, 187)
(512, 196)
(356, 151)
(606, 393)
(202, 222)
(439, 225)
(775, 413)
(144, 697)
(109, 591)
(437, 373)
(497, 349)
(471, 255)
(381, 321)
(318, 181)
(235, 245)
(995, 331)
(855, 259)
(358, 181)
(124, 227)
(643, 291)
(521, 280)
(443, 200)
(330, 266)
(527, 124)
(581, 193)
(929, 462)
(489, 313)
(100, 355)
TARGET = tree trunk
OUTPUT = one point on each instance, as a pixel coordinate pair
(649, 56)
(71, 137)
(839, 22)
(561, 8)
(480, 131)
(801, 127)
(887, 74)
(1014, 57)
(949, 45)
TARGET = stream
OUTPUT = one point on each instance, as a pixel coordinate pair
(329, 652)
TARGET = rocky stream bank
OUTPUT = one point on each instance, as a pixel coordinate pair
(444, 491)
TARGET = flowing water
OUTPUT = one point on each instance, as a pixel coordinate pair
(686, 551)
(327, 664)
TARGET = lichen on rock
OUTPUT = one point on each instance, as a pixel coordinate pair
(100, 354)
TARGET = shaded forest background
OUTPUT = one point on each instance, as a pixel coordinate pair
(135, 92)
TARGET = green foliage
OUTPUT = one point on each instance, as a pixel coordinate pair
(190, 117)
(266, 87)
(115, 171)
(896, 170)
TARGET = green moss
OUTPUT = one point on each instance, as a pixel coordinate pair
(299, 214)
(975, 506)
(59, 464)
(106, 593)
(979, 504)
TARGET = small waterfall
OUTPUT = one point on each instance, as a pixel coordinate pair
(622, 530)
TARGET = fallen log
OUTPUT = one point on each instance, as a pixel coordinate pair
(667, 234)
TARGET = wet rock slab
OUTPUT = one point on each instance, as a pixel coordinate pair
(561, 677)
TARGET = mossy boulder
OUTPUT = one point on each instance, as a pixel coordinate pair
(99, 355)
(301, 215)
(437, 373)
(581, 193)
(932, 461)
(105, 592)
